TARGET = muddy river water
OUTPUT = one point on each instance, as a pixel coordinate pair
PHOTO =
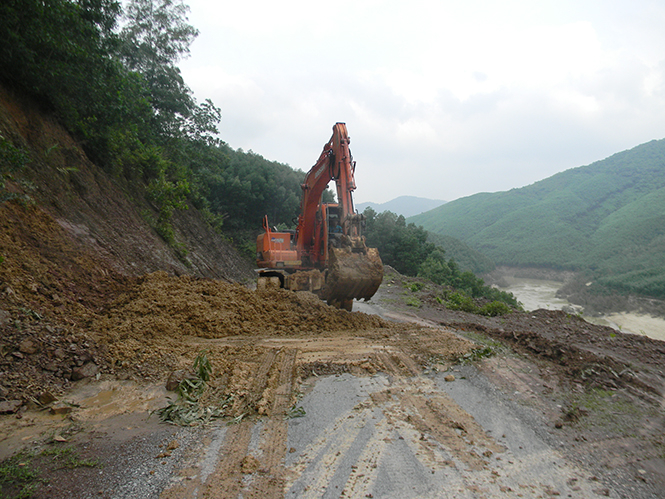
(540, 293)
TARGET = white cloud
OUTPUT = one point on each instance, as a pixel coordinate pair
(442, 99)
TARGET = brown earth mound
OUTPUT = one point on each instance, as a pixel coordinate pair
(169, 307)
(163, 318)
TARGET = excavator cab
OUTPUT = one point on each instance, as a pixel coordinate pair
(335, 230)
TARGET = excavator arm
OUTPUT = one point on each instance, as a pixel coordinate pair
(335, 163)
(338, 266)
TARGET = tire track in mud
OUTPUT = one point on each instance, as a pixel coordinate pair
(405, 437)
(437, 415)
(398, 364)
(240, 470)
(259, 384)
(268, 482)
(226, 480)
(406, 424)
(443, 420)
(326, 457)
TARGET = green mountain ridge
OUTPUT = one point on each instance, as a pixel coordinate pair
(403, 205)
(466, 257)
(607, 218)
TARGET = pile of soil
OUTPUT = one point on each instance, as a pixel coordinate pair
(158, 323)
(206, 308)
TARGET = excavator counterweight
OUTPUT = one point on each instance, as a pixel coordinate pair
(326, 253)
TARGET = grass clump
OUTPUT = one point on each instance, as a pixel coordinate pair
(477, 354)
(18, 477)
(461, 302)
(600, 407)
(464, 303)
(296, 412)
(494, 309)
(412, 301)
(69, 458)
(20, 474)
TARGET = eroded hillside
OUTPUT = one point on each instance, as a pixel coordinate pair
(102, 212)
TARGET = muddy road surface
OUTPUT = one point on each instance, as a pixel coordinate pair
(302, 400)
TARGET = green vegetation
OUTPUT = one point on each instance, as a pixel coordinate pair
(611, 409)
(494, 309)
(12, 159)
(187, 409)
(494, 345)
(20, 474)
(296, 412)
(111, 78)
(67, 457)
(406, 248)
(413, 301)
(464, 255)
(477, 354)
(607, 219)
(403, 247)
(464, 303)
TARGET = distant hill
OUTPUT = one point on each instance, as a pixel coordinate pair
(466, 257)
(607, 218)
(403, 205)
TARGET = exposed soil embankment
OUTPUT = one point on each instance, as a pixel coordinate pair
(102, 211)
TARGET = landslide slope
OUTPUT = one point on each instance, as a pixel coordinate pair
(607, 217)
(73, 239)
(101, 212)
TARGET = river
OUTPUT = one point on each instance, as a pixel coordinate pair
(540, 293)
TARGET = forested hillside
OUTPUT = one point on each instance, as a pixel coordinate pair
(607, 218)
(104, 74)
(403, 205)
(408, 249)
(465, 256)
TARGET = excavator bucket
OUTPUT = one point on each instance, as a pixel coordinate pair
(352, 275)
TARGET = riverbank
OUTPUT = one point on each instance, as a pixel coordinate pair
(540, 290)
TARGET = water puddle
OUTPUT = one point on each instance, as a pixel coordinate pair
(90, 402)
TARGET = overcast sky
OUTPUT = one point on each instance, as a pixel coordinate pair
(442, 99)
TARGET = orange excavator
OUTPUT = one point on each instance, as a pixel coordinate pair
(326, 253)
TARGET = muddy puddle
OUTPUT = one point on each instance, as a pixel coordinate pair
(91, 404)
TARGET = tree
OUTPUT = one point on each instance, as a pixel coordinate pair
(435, 268)
(401, 246)
(156, 35)
(59, 52)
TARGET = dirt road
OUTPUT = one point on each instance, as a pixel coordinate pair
(399, 432)
(316, 402)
